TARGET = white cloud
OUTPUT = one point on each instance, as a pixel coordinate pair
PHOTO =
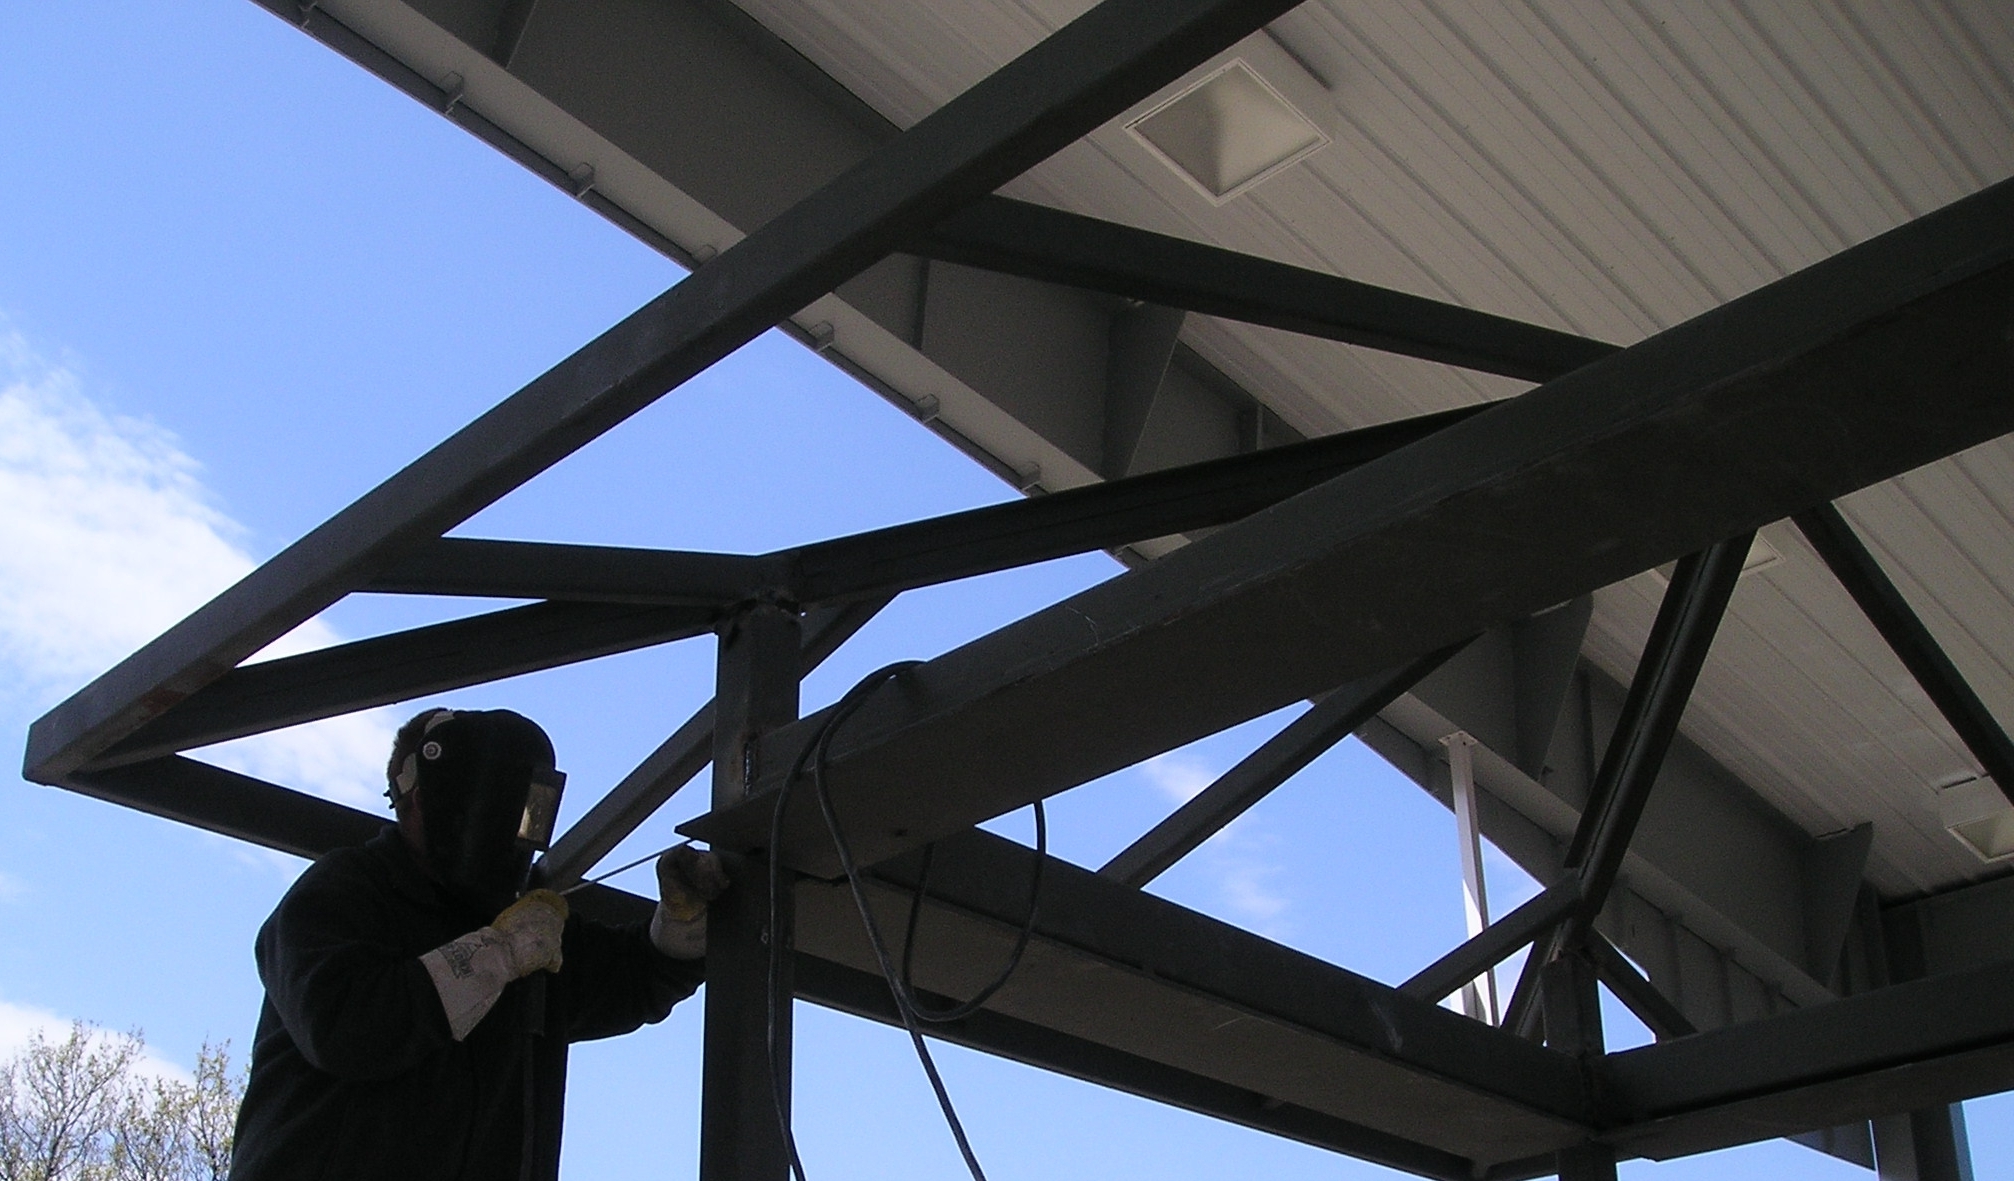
(1180, 777)
(19, 1024)
(108, 536)
(12, 888)
(1247, 879)
(1238, 858)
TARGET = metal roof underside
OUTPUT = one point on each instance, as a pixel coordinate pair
(1610, 170)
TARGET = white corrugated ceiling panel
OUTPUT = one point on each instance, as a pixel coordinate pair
(1613, 170)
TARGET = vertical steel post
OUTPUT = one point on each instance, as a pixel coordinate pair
(1479, 996)
(1925, 1145)
(1572, 1007)
(745, 1091)
(1928, 1144)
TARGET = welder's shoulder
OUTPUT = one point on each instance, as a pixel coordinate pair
(351, 873)
(349, 863)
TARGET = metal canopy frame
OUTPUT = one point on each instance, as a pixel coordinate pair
(1344, 569)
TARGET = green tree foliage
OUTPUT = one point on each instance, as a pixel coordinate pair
(77, 1110)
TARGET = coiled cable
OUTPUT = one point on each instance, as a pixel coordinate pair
(912, 1013)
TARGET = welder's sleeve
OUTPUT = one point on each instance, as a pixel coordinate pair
(357, 1007)
(614, 980)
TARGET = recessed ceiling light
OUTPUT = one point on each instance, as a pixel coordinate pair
(1977, 812)
(1228, 131)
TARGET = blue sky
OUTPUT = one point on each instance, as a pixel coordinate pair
(240, 283)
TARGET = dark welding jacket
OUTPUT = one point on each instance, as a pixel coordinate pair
(354, 1074)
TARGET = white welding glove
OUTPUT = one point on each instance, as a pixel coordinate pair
(687, 880)
(470, 973)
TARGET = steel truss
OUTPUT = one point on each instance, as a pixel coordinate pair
(1345, 569)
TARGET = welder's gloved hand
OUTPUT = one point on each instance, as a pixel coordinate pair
(470, 973)
(533, 925)
(687, 880)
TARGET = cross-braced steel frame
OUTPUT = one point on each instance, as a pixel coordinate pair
(1345, 569)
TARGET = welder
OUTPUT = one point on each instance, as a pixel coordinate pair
(419, 998)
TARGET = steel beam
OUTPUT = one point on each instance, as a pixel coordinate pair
(1073, 81)
(306, 826)
(1280, 758)
(1673, 654)
(1210, 1006)
(865, 994)
(1637, 994)
(1097, 516)
(265, 696)
(677, 759)
(1914, 1045)
(1037, 242)
(1902, 1048)
(918, 553)
(1123, 968)
(1888, 610)
(578, 573)
(1893, 344)
(1496, 943)
(230, 804)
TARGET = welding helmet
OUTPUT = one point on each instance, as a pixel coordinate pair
(488, 796)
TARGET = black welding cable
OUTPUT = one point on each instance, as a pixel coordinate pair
(847, 704)
(961, 1011)
(821, 749)
(816, 753)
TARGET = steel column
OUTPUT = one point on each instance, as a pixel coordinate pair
(1573, 1026)
(1924, 1145)
(678, 758)
(1479, 995)
(745, 1088)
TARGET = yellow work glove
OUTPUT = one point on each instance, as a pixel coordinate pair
(687, 879)
(531, 927)
(470, 973)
